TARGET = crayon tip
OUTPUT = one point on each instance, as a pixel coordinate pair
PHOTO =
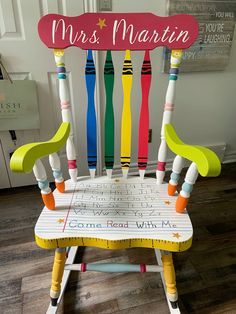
(48, 200)
(181, 204)
(160, 176)
(109, 173)
(125, 172)
(92, 173)
(60, 186)
(141, 173)
(73, 174)
(172, 189)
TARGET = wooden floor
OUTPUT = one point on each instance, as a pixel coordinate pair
(206, 274)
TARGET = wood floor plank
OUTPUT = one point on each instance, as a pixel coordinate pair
(150, 308)
(107, 307)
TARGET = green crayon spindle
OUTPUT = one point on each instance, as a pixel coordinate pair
(109, 114)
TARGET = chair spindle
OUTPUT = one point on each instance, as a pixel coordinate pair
(90, 77)
(66, 111)
(126, 123)
(55, 164)
(187, 187)
(146, 75)
(109, 114)
(177, 167)
(41, 177)
(176, 56)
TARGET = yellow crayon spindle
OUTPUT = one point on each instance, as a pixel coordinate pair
(126, 123)
(57, 273)
(169, 275)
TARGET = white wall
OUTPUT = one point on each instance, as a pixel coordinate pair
(205, 111)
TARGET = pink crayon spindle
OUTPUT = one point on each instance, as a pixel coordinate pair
(66, 111)
(146, 75)
(175, 60)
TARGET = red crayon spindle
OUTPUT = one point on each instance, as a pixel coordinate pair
(146, 75)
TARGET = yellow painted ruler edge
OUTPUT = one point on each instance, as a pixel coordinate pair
(114, 244)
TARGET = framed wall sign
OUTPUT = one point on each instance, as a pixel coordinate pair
(18, 105)
(211, 50)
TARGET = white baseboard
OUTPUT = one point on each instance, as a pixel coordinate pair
(230, 157)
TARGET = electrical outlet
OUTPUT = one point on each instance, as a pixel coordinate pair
(105, 5)
(149, 135)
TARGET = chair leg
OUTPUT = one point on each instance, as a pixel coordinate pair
(57, 272)
(169, 276)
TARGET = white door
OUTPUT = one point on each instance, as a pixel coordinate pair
(25, 57)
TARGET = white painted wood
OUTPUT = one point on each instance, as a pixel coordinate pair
(141, 174)
(178, 164)
(11, 24)
(109, 173)
(67, 117)
(92, 173)
(39, 171)
(55, 164)
(91, 206)
(8, 24)
(170, 93)
(54, 161)
(154, 268)
(4, 182)
(177, 167)
(26, 57)
(159, 261)
(167, 115)
(162, 153)
(125, 173)
(190, 178)
(40, 175)
(48, 6)
(66, 274)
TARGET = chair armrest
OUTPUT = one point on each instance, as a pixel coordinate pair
(25, 156)
(207, 162)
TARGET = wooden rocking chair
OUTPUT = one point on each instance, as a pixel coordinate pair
(115, 212)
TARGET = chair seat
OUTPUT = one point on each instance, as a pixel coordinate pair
(114, 213)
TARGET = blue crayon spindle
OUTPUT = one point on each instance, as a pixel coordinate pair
(90, 77)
